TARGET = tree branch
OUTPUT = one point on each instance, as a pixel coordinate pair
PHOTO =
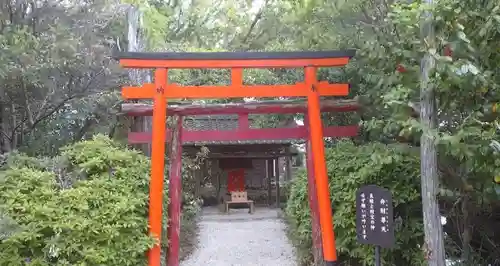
(256, 19)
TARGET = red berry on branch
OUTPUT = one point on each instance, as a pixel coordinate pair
(400, 68)
(448, 51)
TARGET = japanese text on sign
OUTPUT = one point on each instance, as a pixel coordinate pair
(363, 215)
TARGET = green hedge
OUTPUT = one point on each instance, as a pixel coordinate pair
(86, 207)
(349, 167)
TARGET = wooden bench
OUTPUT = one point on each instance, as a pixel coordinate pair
(238, 198)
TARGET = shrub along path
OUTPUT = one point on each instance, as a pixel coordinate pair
(242, 239)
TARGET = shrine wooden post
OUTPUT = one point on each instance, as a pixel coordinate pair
(270, 175)
(288, 165)
(277, 178)
(161, 90)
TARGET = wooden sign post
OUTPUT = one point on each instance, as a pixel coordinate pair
(374, 218)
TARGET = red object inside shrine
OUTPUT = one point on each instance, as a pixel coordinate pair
(236, 180)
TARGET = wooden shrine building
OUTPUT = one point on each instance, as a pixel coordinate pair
(258, 159)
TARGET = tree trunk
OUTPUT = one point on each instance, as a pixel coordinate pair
(138, 76)
(4, 123)
(466, 229)
(434, 244)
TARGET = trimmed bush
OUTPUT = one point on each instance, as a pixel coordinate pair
(86, 207)
(350, 167)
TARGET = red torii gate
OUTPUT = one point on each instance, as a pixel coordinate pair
(162, 89)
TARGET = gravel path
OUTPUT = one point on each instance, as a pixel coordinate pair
(242, 239)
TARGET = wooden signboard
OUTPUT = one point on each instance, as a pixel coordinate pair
(374, 216)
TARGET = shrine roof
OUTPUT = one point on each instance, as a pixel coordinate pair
(258, 150)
